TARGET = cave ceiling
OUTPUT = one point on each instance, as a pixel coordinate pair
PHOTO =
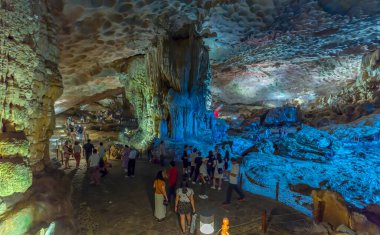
(264, 53)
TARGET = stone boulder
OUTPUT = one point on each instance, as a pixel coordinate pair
(315, 138)
(282, 115)
(47, 200)
(340, 215)
(335, 210)
(265, 146)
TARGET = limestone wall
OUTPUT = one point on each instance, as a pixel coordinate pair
(29, 84)
(168, 88)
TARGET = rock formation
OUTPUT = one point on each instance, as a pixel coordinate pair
(330, 207)
(29, 85)
(168, 90)
(352, 102)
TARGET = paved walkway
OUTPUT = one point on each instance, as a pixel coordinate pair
(125, 206)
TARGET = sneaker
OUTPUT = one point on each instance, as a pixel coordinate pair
(126, 176)
(225, 180)
(200, 183)
(213, 187)
(202, 196)
(193, 182)
(205, 196)
(219, 188)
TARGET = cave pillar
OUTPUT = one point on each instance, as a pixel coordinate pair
(29, 85)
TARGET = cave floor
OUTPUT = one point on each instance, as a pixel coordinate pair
(122, 205)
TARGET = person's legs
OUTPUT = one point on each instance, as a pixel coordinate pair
(229, 193)
(182, 221)
(188, 218)
(130, 167)
(220, 183)
(88, 160)
(77, 159)
(196, 174)
(67, 162)
(133, 167)
(192, 168)
(239, 191)
(172, 190)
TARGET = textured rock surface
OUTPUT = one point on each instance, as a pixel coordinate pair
(354, 101)
(263, 53)
(29, 81)
(47, 200)
(167, 89)
(281, 116)
(29, 85)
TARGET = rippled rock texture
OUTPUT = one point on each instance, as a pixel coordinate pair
(310, 159)
(354, 101)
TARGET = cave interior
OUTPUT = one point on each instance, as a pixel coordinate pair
(290, 87)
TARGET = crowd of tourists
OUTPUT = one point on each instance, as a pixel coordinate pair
(173, 187)
(208, 171)
(96, 159)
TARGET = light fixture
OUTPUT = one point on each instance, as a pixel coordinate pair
(206, 223)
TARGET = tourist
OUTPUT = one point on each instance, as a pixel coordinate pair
(132, 162)
(77, 153)
(102, 166)
(172, 177)
(73, 135)
(184, 204)
(125, 160)
(226, 160)
(192, 157)
(233, 185)
(198, 163)
(150, 153)
(162, 153)
(210, 165)
(67, 152)
(189, 160)
(94, 167)
(88, 148)
(185, 161)
(80, 133)
(203, 179)
(160, 197)
(101, 150)
(218, 173)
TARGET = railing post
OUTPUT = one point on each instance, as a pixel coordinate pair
(241, 180)
(264, 222)
(320, 211)
(277, 190)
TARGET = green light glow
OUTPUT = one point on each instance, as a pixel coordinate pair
(14, 178)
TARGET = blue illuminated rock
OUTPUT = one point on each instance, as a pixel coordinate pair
(281, 116)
